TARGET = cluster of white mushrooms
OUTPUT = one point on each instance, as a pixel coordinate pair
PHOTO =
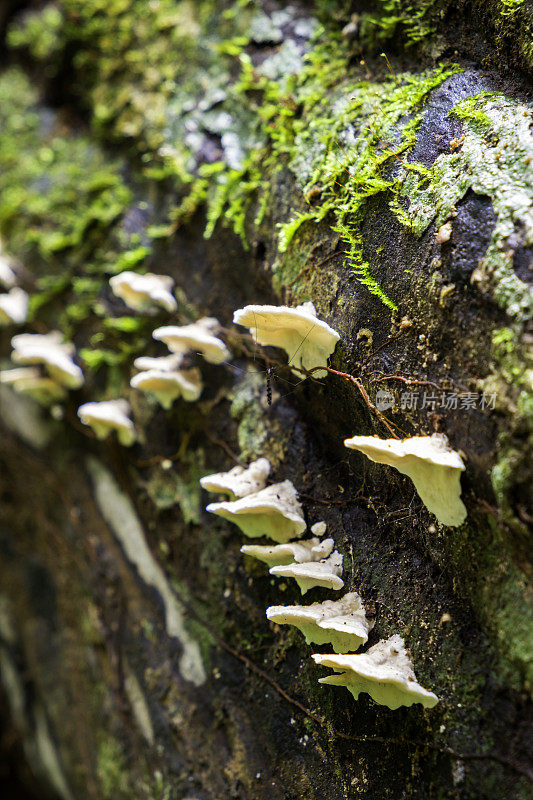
(48, 370)
(45, 367)
(385, 670)
(164, 377)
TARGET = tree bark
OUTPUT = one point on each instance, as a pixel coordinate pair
(376, 161)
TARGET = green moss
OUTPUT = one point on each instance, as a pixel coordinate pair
(180, 486)
(405, 19)
(495, 159)
(41, 34)
(111, 768)
(319, 146)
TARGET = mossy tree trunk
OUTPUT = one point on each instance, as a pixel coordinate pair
(376, 159)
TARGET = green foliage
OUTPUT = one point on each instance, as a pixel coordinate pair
(412, 21)
(41, 33)
(353, 146)
(61, 204)
(333, 133)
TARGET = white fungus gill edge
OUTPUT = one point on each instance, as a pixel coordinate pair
(31, 382)
(307, 340)
(167, 386)
(198, 337)
(140, 292)
(48, 349)
(13, 307)
(105, 416)
(8, 276)
(325, 574)
(291, 552)
(342, 623)
(385, 672)
(119, 513)
(432, 465)
(239, 481)
(273, 512)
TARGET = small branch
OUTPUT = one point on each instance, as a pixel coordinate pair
(408, 381)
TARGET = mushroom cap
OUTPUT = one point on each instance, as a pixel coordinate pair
(307, 340)
(324, 573)
(291, 552)
(162, 363)
(385, 672)
(143, 291)
(432, 465)
(13, 307)
(107, 416)
(239, 481)
(198, 338)
(341, 623)
(167, 386)
(49, 350)
(273, 512)
(8, 276)
(30, 381)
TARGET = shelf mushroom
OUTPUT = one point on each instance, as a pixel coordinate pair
(165, 380)
(198, 337)
(30, 381)
(8, 277)
(292, 552)
(325, 573)
(13, 307)
(107, 416)
(342, 623)
(432, 465)
(385, 672)
(273, 512)
(307, 340)
(49, 350)
(239, 481)
(143, 292)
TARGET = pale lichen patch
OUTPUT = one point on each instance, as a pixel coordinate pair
(119, 513)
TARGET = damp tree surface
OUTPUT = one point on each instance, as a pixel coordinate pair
(372, 158)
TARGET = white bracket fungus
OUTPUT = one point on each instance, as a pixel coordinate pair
(342, 623)
(141, 292)
(291, 552)
(432, 465)
(273, 512)
(199, 337)
(239, 481)
(49, 350)
(315, 573)
(107, 416)
(162, 378)
(385, 672)
(307, 340)
(30, 381)
(8, 277)
(13, 307)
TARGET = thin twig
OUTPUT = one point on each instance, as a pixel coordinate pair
(408, 381)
